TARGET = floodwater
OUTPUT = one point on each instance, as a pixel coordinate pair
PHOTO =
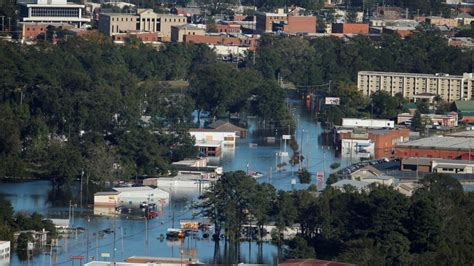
(135, 237)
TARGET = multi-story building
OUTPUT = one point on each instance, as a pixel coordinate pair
(448, 87)
(53, 11)
(4, 252)
(350, 28)
(179, 33)
(281, 21)
(145, 20)
(440, 21)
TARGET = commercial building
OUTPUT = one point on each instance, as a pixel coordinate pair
(5, 250)
(466, 110)
(228, 27)
(31, 31)
(357, 143)
(53, 11)
(452, 146)
(227, 138)
(145, 20)
(409, 85)
(367, 123)
(179, 33)
(287, 22)
(351, 28)
(437, 165)
(130, 197)
(440, 21)
(447, 120)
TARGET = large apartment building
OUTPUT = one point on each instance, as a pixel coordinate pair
(410, 85)
(145, 20)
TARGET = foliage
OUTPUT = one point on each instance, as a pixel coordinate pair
(380, 226)
(304, 176)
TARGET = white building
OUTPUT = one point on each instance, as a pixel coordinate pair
(409, 85)
(133, 196)
(357, 148)
(53, 11)
(227, 138)
(4, 253)
(367, 123)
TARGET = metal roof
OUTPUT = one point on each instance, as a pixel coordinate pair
(440, 142)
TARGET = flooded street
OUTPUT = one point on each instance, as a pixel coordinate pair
(133, 237)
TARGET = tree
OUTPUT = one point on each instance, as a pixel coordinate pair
(304, 176)
(298, 248)
(416, 121)
(227, 203)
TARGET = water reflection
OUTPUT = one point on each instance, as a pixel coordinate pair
(136, 237)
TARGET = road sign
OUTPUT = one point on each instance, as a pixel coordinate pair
(105, 255)
(286, 136)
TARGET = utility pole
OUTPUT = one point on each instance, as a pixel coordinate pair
(3, 24)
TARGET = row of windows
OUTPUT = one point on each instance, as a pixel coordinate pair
(54, 12)
(147, 19)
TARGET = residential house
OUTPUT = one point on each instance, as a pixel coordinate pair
(466, 110)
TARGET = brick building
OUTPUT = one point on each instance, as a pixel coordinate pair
(32, 30)
(351, 28)
(454, 146)
(211, 39)
(179, 33)
(370, 143)
(228, 27)
(145, 37)
(402, 31)
(281, 21)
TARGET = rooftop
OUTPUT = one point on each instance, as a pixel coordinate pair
(188, 27)
(441, 142)
(465, 106)
(127, 189)
(409, 74)
(106, 193)
(427, 160)
(354, 183)
(464, 134)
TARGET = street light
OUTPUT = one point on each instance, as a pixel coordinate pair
(181, 252)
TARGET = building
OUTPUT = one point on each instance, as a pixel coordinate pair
(440, 21)
(152, 261)
(130, 197)
(5, 250)
(369, 143)
(461, 42)
(227, 126)
(453, 146)
(286, 22)
(145, 20)
(350, 28)
(133, 196)
(228, 27)
(345, 184)
(372, 175)
(409, 85)
(367, 123)
(107, 199)
(144, 37)
(402, 31)
(226, 137)
(466, 110)
(53, 11)
(437, 165)
(447, 120)
(313, 262)
(179, 33)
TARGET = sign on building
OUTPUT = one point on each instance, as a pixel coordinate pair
(320, 180)
(333, 101)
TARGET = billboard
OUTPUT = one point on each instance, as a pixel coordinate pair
(332, 101)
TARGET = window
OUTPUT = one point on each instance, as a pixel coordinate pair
(27, 29)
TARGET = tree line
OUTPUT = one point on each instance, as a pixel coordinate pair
(328, 66)
(376, 227)
(88, 108)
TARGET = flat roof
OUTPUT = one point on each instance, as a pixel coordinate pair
(106, 193)
(409, 74)
(465, 134)
(354, 183)
(440, 142)
(127, 189)
(208, 143)
(425, 160)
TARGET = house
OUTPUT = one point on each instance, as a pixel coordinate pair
(227, 126)
(5, 250)
(372, 175)
(342, 185)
